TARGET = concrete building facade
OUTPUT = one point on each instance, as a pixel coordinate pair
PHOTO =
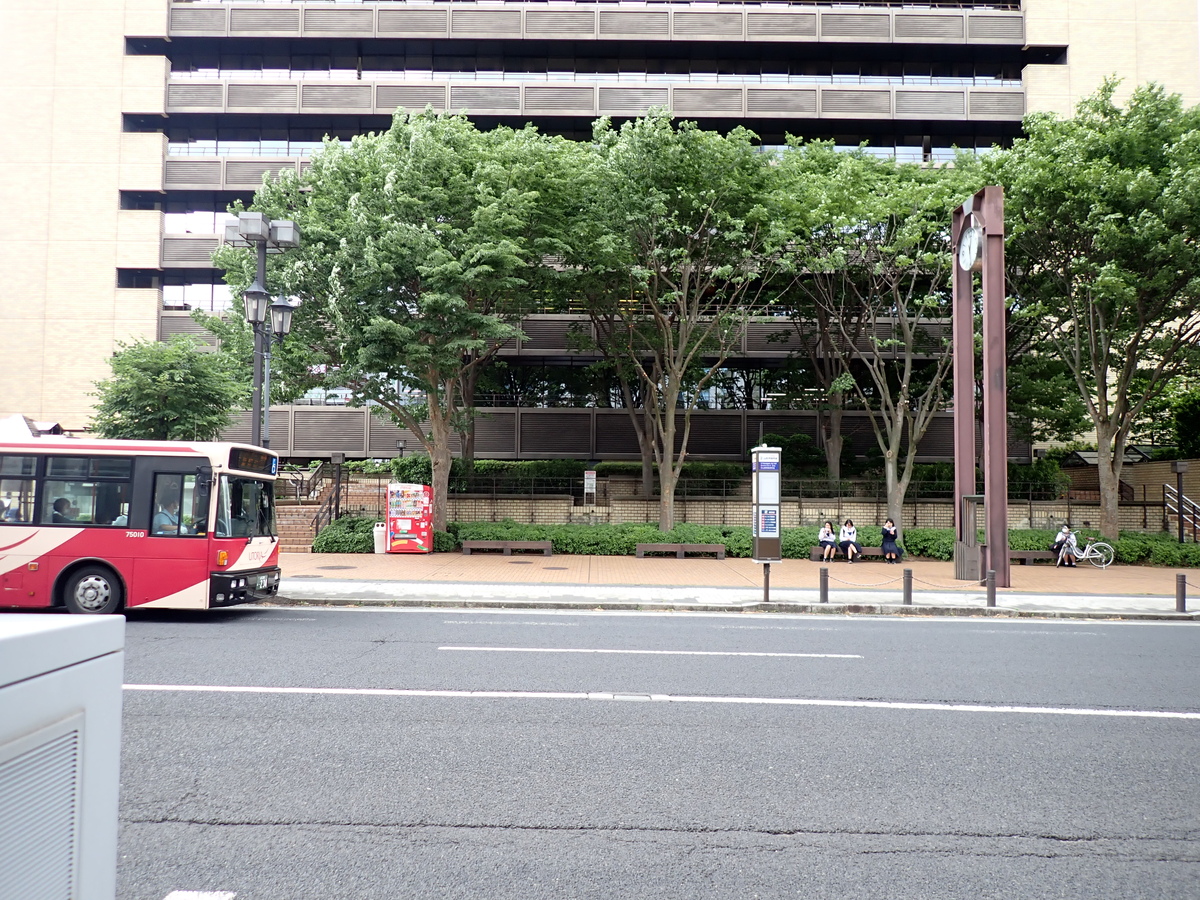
(132, 124)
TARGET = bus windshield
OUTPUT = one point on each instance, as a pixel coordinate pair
(245, 508)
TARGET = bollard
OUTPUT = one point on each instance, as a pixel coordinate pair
(991, 587)
(1180, 593)
(908, 587)
(824, 584)
(766, 582)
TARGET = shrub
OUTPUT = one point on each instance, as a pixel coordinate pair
(349, 534)
(444, 542)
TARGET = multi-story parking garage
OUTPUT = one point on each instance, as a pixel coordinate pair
(133, 123)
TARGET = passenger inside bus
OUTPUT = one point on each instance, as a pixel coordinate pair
(62, 511)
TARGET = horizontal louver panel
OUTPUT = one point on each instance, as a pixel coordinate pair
(490, 22)
(255, 21)
(709, 101)
(190, 172)
(858, 26)
(496, 432)
(706, 23)
(922, 27)
(997, 104)
(410, 96)
(190, 251)
(855, 103)
(336, 96)
(777, 337)
(318, 429)
(181, 323)
(195, 96)
(412, 21)
(339, 21)
(615, 436)
(645, 23)
(560, 99)
(783, 100)
(715, 433)
(485, 97)
(557, 432)
(1010, 29)
(560, 22)
(251, 172)
(261, 96)
(197, 20)
(549, 334)
(39, 798)
(911, 104)
(631, 100)
(781, 25)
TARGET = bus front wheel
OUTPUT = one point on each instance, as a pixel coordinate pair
(93, 591)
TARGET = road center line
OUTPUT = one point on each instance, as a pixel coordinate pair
(670, 698)
(652, 652)
(200, 895)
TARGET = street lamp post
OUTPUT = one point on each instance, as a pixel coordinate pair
(266, 236)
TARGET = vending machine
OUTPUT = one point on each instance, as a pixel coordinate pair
(409, 518)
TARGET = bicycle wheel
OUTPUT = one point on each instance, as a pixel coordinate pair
(1101, 555)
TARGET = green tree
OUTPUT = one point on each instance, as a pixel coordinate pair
(871, 256)
(679, 246)
(175, 391)
(1187, 424)
(415, 242)
(1103, 216)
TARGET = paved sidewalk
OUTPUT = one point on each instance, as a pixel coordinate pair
(533, 580)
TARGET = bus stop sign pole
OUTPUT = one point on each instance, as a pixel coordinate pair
(765, 473)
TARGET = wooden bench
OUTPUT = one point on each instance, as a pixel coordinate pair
(680, 549)
(507, 546)
(818, 553)
(1025, 557)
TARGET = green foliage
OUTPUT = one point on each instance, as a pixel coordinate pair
(1103, 215)
(1187, 424)
(170, 391)
(349, 534)
(800, 455)
(354, 534)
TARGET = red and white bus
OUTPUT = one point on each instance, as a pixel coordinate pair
(97, 526)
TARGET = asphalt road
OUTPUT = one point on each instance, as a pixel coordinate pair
(706, 767)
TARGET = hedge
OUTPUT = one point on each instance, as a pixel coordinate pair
(353, 534)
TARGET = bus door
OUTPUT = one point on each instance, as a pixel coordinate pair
(173, 570)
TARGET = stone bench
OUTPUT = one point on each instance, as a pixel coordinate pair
(818, 553)
(1025, 557)
(507, 546)
(680, 549)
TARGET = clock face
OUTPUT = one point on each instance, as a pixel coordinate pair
(970, 242)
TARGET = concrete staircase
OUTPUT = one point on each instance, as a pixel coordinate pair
(294, 522)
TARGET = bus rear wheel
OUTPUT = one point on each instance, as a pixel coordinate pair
(93, 591)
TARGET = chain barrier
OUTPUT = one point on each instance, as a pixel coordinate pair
(873, 584)
(961, 586)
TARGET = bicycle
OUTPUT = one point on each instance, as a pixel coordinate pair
(1098, 553)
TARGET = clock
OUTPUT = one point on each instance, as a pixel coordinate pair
(970, 247)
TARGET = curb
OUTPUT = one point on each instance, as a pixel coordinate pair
(776, 607)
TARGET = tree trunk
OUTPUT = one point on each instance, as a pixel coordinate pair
(1109, 465)
(832, 441)
(440, 459)
(668, 474)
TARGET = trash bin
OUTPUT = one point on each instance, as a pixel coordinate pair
(380, 537)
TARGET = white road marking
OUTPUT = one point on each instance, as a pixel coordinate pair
(507, 624)
(200, 895)
(653, 652)
(671, 698)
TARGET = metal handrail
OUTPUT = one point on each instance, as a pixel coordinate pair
(1184, 508)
